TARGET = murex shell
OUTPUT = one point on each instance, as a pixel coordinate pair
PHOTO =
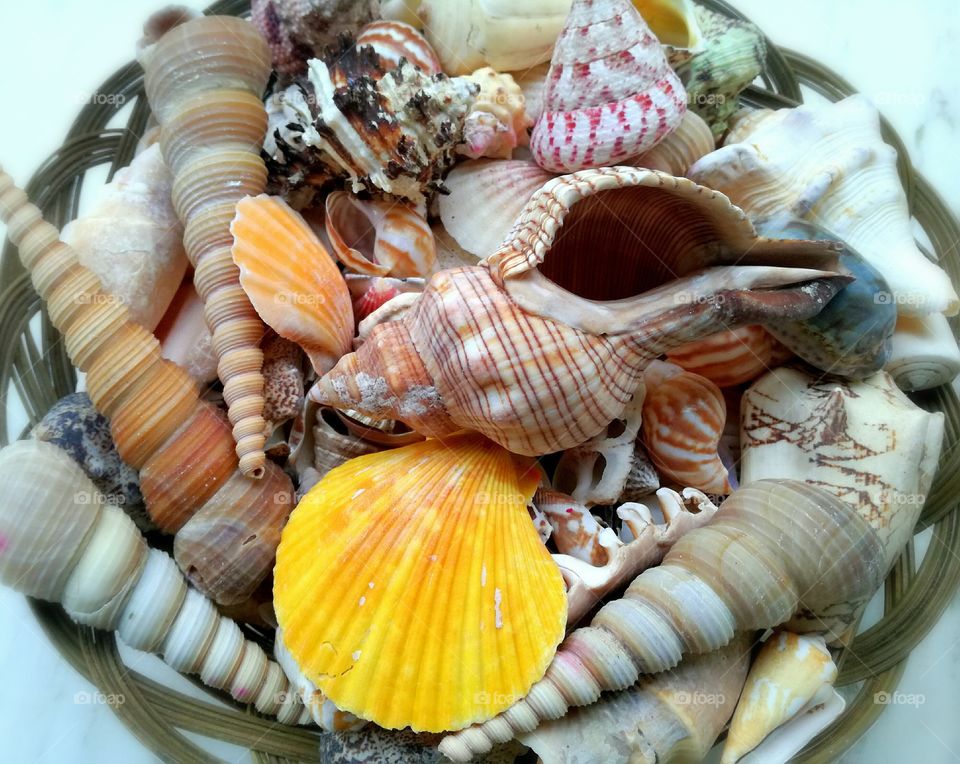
(539, 349)
(829, 164)
(385, 533)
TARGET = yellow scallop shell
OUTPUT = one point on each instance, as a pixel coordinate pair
(412, 588)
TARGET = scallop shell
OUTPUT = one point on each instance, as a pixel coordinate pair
(730, 357)
(680, 149)
(683, 418)
(393, 40)
(291, 280)
(379, 538)
(829, 164)
(498, 121)
(610, 92)
(486, 198)
(379, 238)
(923, 353)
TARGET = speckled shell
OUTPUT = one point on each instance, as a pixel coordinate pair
(863, 441)
(63, 541)
(680, 149)
(204, 79)
(498, 121)
(379, 238)
(610, 92)
(683, 418)
(730, 357)
(291, 280)
(383, 535)
(548, 326)
(393, 40)
(283, 376)
(829, 164)
(773, 548)
(923, 353)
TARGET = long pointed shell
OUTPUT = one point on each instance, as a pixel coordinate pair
(435, 522)
(204, 79)
(63, 542)
(773, 548)
(610, 93)
(291, 280)
(923, 353)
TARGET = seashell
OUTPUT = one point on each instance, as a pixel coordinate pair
(162, 21)
(680, 149)
(610, 92)
(379, 238)
(863, 441)
(160, 425)
(676, 26)
(204, 79)
(371, 292)
(383, 432)
(449, 253)
(291, 280)
(790, 681)
(683, 418)
(486, 198)
(548, 326)
(498, 121)
(374, 744)
(923, 353)
(297, 30)
(283, 390)
(595, 561)
(132, 239)
(318, 132)
(64, 541)
(730, 357)
(333, 442)
(852, 335)
(732, 55)
(532, 83)
(393, 40)
(185, 337)
(388, 545)
(642, 479)
(596, 472)
(661, 718)
(829, 164)
(772, 548)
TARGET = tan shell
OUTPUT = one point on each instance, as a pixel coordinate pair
(498, 121)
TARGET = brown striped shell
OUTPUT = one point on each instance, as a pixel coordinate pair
(730, 357)
(393, 40)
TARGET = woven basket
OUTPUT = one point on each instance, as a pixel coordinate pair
(41, 374)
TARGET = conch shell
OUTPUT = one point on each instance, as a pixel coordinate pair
(774, 548)
(504, 350)
(63, 541)
(204, 80)
(610, 93)
(923, 353)
(498, 121)
(829, 164)
(863, 441)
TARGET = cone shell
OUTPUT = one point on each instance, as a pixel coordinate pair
(379, 238)
(486, 198)
(291, 280)
(730, 357)
(393, 40)
(683, 418)
(680, 149)
(610, 92)
(498, 121)
(419, 563)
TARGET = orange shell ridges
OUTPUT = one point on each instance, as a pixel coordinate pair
(393, 40)
(404, 579)
(728, 358)
(291, 279)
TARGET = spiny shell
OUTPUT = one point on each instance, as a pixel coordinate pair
(486, 197)
(393, 40)
(498, 122)
(610, 92)
(379, 238)
(427, 523)
(683, 417)
(923, 353)
(291, 280)
(829, 164)
(204, 79)
(680, 149)
(730, 357)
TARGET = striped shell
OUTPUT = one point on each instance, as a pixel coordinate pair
(291, 280)
(730, 357)
(393, 40)
(610, 92)
(419, 563)
(680, 149)
(204, 80)
(683, 418)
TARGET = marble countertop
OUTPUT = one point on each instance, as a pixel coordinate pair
(53, 55)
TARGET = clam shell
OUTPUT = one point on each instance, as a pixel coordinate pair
(291, 280)
(384, 534)
(393, 40)
(923, 353)
(730, 357)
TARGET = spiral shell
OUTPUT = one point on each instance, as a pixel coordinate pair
(730, 357)
(680, 149)
(498, 121)
(393, 40)
(923, 353)
(203, 80)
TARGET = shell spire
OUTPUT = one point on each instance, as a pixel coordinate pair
(204, 79)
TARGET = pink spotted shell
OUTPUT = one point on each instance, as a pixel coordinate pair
(610, 94)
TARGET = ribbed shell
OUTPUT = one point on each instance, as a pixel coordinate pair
(728, 358)
(204, 79)
(393, 40)
(291, 280)
(674, 154)
(403, 585)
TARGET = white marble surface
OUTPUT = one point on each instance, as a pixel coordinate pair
(54, 53)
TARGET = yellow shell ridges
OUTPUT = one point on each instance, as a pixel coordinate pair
(404, 579)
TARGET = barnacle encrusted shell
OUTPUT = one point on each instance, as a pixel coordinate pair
(396, 135)
(420, 562)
